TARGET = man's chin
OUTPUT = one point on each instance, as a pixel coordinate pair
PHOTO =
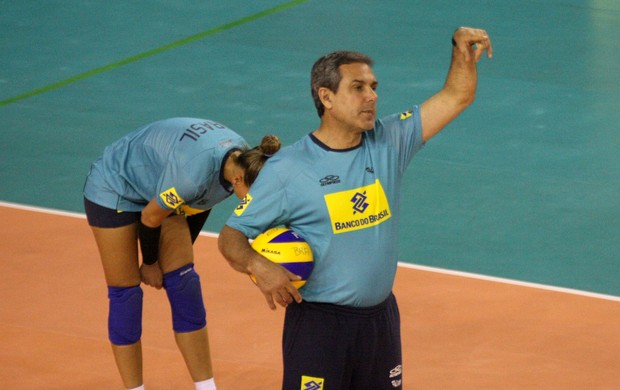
(369, 126)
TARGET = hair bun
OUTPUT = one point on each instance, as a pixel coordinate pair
(270, 145)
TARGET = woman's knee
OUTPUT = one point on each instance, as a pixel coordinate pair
(185, 295)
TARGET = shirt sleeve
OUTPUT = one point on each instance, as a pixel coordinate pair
(404, 132)
(179, 184)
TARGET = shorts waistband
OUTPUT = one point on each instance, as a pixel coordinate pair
(369, 311)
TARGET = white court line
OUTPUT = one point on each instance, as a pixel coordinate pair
(510, 281)
(400, 264)
(42, 210)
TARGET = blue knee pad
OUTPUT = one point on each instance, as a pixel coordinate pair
(185, 296)
(125, 315)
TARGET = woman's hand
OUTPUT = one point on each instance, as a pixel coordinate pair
(152, 275)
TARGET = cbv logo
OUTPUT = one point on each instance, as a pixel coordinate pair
(359, 202)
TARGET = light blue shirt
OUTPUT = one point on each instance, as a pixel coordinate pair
(178, 161)
(344, 203)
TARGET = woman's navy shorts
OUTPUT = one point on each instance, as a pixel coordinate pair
(103, 217)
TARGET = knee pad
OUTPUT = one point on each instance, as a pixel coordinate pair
(125, 315)
(185, 296)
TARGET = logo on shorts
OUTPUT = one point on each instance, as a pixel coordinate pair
(394, 373)
(311, 383)
(406, 115)
(186, 210)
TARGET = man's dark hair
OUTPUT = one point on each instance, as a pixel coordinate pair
(325, 73)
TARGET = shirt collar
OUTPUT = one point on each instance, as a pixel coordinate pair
(225, 183)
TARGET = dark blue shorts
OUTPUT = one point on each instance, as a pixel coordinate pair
(329, 347)
(103, 217)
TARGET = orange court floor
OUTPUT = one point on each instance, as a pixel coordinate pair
(459, 332)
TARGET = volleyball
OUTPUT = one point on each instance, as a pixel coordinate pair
(287, 248)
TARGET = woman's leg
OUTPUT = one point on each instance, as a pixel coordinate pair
(195, 349)
(183, 287)
(119, 257)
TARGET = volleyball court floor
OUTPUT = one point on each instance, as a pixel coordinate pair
(459, 332)
(530, 169)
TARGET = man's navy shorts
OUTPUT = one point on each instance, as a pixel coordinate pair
(327, 346)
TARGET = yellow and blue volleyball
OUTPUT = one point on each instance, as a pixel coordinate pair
(287, 248)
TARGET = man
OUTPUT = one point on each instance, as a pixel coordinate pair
(339, 188)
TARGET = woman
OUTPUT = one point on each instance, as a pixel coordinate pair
(157, 186)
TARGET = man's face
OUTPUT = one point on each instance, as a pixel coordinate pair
(355, 103)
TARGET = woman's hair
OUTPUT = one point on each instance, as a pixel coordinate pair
(252, 160)
(326, 73)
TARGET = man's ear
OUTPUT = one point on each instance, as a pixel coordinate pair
(326, 95)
